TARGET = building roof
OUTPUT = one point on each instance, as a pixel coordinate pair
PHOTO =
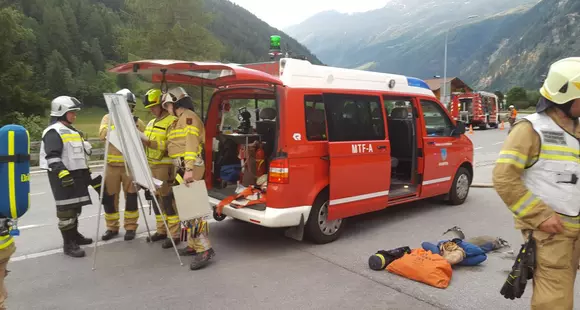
(435, 84)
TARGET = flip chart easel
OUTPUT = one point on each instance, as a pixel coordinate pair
(136, 165)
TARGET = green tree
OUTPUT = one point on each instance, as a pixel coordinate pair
(533, 97)
(58, 76)
(518, 97)
(16, 91)
(97, 57)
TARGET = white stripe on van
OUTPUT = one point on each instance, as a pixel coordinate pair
(358, 198)
(435, 181)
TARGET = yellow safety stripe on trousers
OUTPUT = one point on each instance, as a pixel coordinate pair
(63, 173)
(115, 158)
(560, 153)
(512, 158)
(158, 218)
(112, 216)
(6, 241)
(173, 219)
(131, 214)
(525, 204)
(11, 176)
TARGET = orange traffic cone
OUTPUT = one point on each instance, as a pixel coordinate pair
(502, 127)
(470, 129)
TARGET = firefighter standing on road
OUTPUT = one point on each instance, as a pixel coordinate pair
(513, 115)
(116, 175)
(161, 168)
(537, 174)
(185, 143)
(62, 153)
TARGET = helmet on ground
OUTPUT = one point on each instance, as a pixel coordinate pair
(62, 104)
(178, 97)
(128, 95)
(152, 98)
(562, 83)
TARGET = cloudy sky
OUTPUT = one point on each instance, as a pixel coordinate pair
(280, 15)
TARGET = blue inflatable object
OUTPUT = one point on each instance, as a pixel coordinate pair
(474, 255)
(14, 171)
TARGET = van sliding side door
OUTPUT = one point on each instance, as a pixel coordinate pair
(360, 161)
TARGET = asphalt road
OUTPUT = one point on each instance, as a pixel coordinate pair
(258, 268)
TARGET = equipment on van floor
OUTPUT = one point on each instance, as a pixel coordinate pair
(245, 124)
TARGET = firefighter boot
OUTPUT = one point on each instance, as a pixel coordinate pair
(79, 238)
(157, 237)
(187, 251)
(70, 247)
(129, 235)
(167, 243)
(109, 234)
(202, 259)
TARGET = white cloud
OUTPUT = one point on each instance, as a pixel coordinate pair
(282, 14)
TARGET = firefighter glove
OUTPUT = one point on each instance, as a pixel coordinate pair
(522, 271)
(65, 178)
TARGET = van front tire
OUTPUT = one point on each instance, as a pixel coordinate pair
(460, 187)
(318, 229)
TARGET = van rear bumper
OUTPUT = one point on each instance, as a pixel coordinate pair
(267, 217)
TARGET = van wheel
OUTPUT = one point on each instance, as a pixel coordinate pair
(318, 229)
(460, 187)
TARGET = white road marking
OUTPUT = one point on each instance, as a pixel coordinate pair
(101, 243)
(478, 148)
(36, 194)
(498, 143)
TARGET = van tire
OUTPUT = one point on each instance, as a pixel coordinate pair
(314, 229)
(460, 187)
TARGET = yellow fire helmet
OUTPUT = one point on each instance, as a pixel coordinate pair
(562, 84)
(152, 98)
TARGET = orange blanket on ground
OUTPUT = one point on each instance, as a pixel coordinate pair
(423, 266)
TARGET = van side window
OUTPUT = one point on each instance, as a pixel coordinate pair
(436, 121)
(396, 107)
(354, 118)
(315, 118)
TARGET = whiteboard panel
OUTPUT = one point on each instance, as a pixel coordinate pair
(129, 140)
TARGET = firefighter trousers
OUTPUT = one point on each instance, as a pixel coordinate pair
(114, 178)
(5, 255)
(557, 258)
(198, 229)
(165, 173)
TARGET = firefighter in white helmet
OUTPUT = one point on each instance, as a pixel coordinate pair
(185, 145)
(115, 176)
(537, 174)
(513, 115)
(62, 153)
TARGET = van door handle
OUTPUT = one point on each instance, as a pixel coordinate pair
(430, 142)
(381, 147)
(325, 157)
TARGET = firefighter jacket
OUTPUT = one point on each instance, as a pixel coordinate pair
(537, 171)
(62, 152)
(114, 156)
(156, 131)
(185, 140)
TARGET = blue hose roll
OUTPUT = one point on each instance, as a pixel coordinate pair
(14, 171)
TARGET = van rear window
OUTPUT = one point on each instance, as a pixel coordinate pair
(315, 118)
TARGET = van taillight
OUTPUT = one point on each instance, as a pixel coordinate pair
(278, 171)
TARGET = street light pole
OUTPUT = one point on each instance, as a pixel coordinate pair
(443, 95)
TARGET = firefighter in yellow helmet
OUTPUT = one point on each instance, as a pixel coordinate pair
(161, 167)
(115, 176)
(536, 175)
(185, 145)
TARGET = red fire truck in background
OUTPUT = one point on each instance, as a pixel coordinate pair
(477, 109)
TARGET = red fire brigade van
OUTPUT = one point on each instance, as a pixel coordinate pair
(337, 142)
(477, 109)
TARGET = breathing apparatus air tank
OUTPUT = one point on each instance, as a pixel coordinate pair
(14, 175)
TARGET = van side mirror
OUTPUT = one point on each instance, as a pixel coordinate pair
(459, 129)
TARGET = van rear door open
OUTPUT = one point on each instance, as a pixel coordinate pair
(360, 161)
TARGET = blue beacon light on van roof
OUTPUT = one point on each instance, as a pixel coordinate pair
(415, 82)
